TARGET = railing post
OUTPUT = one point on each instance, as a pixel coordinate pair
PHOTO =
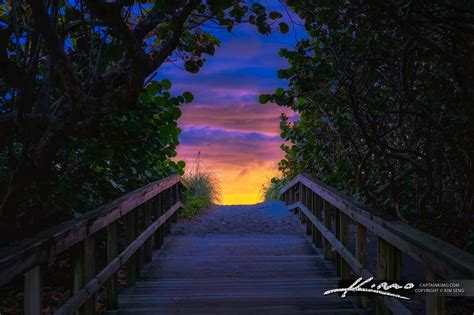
(89, 271)
(174, 217)
(158, 212)
(327, 224)
(147, 222)
(33, 295)
(294, 198)
(361, 255)
(309, 205)
(337, 224)
(318, 207)
(344, 237)
(301, 198)
(388, 267)
(168, 204)
(112, 242)
(140, 254)
(130, 237)
(435, 304)
(78, 268)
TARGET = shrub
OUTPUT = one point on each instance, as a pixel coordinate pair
(203, 190)
(272, 190)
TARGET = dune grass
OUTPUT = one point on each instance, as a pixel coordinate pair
(271, 191)
(203, 189)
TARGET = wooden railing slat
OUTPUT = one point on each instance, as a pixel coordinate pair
(327, 224)
(101, 278)
(435, 304)
(361, 255)
(393, 304)
(21, 257)
(344, 237)
(130, 238)
(33, 299)
(442, 258)
(89, 271)
(112, 251)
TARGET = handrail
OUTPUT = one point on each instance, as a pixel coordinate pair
(76, 301)
(441, 259)
(27, 256)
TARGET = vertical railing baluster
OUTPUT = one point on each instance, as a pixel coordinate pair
(337, 225)
(344, 237)
(314, 230)
(319, 209)
(175, 192)
(130, 237)
(327, 224)
(168, 204)
(435, 303)
(78, 268)
(361, 255)
(303, 201)
(112, 244)
(33, 294)
(300, 198)
(309, 206)
(388, 267)
(89, 271)
(139, 254)
(147, 223)
(295, 197)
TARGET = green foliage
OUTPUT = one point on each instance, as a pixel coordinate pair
(79, 131)
(271, 191)
(128, 151)
(381, 110)
(203, 190)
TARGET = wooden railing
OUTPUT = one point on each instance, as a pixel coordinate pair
(143, 216)
(319, 204)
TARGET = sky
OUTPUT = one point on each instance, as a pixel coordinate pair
(237, 138)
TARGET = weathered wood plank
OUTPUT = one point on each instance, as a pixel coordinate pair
(101, 278)
(89, 272)
(309, 200)
(344, 237)
(361, 254)
(236, 274)
(33, 299)
(319, 216)
(130, 233)
(112, 251)
(337, 259)
(393, 304)
(327, 224)
(435, 304)
(147, 222)
(444, 259)
(19, 258)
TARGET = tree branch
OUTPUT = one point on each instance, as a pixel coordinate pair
(69, 78)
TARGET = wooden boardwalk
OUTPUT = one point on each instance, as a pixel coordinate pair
(236, 274)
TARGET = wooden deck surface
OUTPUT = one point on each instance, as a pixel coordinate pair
(236, 274)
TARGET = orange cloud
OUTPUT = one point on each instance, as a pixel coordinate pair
(242, 161)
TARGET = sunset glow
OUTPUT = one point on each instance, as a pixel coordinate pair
(238, 138)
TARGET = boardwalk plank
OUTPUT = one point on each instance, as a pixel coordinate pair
(236, 274)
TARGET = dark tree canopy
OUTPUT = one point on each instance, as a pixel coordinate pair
(77, 128)
(385, 92)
